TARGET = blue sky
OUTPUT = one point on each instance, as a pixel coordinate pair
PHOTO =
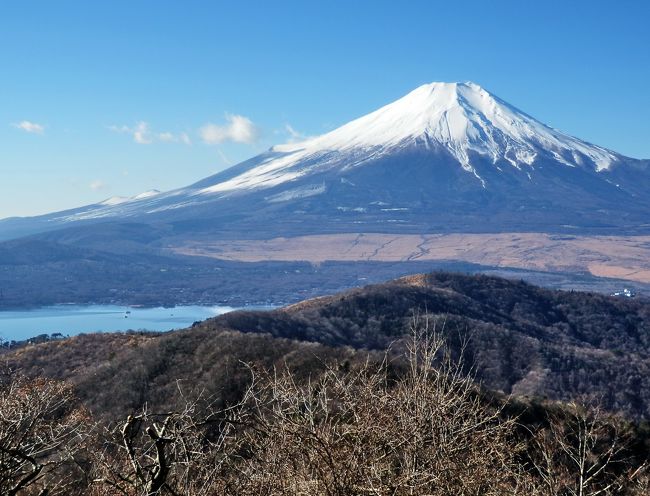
(114, 98)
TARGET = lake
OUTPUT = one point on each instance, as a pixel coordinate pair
(71, 319)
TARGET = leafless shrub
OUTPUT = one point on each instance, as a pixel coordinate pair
(178, 452)
(41, 433)
(584, 453)
(361, 433)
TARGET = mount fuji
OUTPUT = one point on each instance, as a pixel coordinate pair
(447, 157)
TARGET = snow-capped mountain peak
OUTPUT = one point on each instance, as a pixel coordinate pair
(461, 119)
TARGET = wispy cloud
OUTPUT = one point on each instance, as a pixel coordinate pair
(143, 135)
(29, 127)
(97, 185)
(224, 159)
(238, 129)
(295, 135)
(167, 137)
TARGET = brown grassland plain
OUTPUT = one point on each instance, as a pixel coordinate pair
(621, 257)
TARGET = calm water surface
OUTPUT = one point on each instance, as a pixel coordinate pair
(70, 320)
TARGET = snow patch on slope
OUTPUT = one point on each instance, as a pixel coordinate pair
(146, 194)
(271, 172)
(116, 205)
(114, 200)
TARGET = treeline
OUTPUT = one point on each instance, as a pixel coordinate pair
(114, 374)
(375, 426)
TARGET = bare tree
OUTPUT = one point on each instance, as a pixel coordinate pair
(177, 452)
(366, 433)
(41, 432)
(584, 453)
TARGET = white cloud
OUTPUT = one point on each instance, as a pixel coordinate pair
(168, 137)
(97, 185)
(29, 127)
(239, 129)
(143, 135)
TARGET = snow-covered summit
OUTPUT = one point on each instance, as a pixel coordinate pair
(462, 119)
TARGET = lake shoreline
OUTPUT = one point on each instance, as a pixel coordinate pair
(70, 319)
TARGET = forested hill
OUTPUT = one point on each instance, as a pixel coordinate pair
(520, 338)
